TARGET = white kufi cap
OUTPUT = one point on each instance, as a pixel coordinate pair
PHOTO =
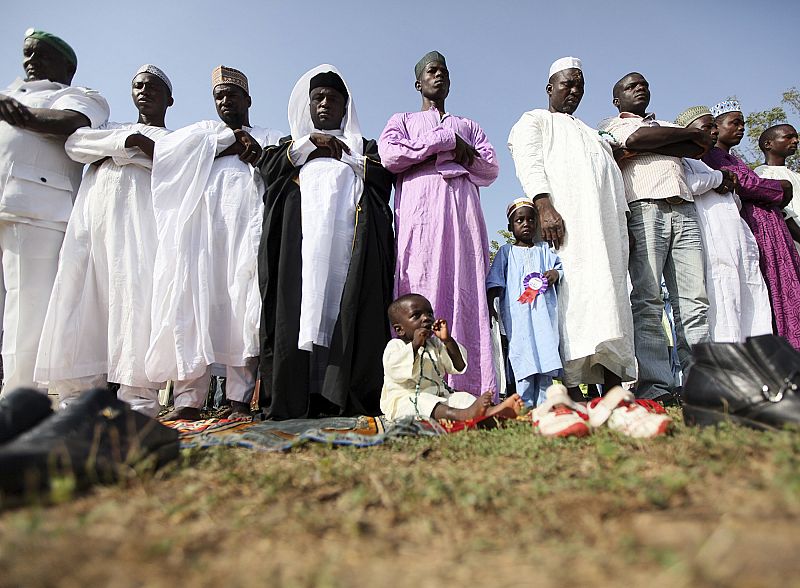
(565, 63)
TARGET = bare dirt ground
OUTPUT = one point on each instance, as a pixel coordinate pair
(717, 507)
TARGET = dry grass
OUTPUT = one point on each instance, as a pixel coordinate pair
(491, 508)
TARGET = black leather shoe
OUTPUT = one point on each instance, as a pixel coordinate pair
(20, 410)
(91, 440)
(667, 399)
(756, 383)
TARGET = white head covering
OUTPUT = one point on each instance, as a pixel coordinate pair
(517, 204)
(565, 63)
(156, 71)
(726, 106)
(327, 247)
(300, 124)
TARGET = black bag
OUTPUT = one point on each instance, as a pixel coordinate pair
(755, 383)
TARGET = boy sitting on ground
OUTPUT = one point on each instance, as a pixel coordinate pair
(415, 363)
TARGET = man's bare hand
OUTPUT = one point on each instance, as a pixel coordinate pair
(145, 144)
(250, 149)
(552, 225)
(729, 183)
(703, 140)
(464, 153)
(328, 143)
(14, 112)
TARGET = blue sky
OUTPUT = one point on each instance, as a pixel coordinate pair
(498, 52)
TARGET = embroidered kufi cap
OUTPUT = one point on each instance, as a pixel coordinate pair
(60, 44)
(565, 63)
(688, 116)
(156, 71)
(426, 59)
(229, 75)
(726, 106)
(517, 204)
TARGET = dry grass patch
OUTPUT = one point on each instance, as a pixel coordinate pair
(498, 508)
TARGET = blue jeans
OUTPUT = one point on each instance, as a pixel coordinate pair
(665, 241)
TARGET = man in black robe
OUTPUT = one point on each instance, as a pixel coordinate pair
(341, 372)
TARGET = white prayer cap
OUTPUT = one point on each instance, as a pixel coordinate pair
(565, 63)
(517, 204)
(730, 105)
(156, 71)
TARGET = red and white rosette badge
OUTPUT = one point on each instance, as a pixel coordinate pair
(532, 285)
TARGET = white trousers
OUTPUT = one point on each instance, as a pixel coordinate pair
(239, 384)
(143, 400)
(30, 261)
(426, 403)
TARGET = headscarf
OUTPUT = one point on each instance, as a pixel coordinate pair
(300, 124)
(56, 42)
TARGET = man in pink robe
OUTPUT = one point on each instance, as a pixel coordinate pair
(762, 202)
(441, 161)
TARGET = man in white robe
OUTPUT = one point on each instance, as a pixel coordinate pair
(38, 183)
(738, 300)
(209, 208)
(569, 171)
(777, 143)
(97, 327)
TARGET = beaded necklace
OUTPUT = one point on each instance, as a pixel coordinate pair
(422, 353)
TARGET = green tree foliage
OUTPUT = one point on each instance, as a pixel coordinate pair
(757, 122)
(495, 245)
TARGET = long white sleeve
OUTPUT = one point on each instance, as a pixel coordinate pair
(699, 177)
(87, 145)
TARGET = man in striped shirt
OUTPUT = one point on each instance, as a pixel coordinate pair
(664, 232)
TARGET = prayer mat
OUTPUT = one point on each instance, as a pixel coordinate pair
(362, 431)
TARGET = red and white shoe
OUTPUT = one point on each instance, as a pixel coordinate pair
(651, 405)
(560, 416)
(622, 413)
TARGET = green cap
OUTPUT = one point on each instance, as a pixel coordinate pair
(426, 59)
(60, 44)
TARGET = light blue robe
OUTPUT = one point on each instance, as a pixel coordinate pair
(531, 328)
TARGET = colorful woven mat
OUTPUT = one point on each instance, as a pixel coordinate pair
(362, 431)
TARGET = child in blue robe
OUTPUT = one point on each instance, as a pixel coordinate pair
(523, 277)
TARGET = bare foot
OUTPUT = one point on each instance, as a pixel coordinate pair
(510, 408)
(480, 406)
(475, 410)
(184, 413)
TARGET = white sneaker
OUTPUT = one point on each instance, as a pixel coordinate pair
(560, 416)
(620, 411)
